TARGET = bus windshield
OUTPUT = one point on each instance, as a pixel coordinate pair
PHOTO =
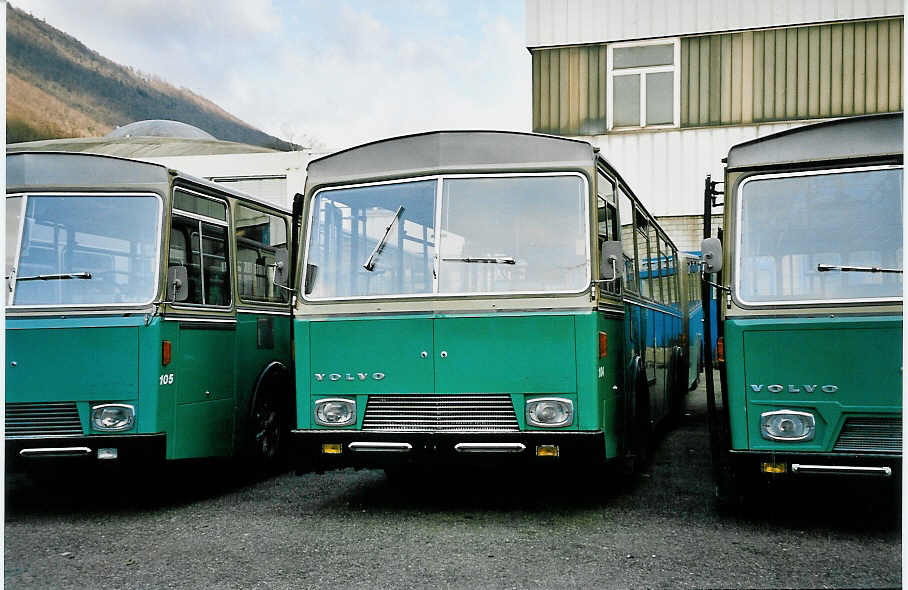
(497, 235)
(84, 249)
(794, 228)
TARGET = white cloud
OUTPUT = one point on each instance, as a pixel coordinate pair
(370, 83)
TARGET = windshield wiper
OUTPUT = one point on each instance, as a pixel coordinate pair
(502, 260)
(828, 267)
(369, 264)
(58, 277)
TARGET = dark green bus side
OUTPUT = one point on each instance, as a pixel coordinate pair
(142, 318)
(811, 305)
(453, 307)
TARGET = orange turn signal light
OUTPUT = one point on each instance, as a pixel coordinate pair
(603, 344)
(165, 352)
(547, 451)
(772, 467)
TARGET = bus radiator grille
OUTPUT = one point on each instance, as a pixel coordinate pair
(42, 419)
(440, 413)
(881, 435)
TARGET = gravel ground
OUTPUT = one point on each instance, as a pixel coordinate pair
(203, 525)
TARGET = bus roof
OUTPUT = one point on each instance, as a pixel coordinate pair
(438, 152)
(45, 169)
(842, 139)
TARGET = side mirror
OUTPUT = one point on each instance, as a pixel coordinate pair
(281, 267)
(609, 255)
(711, 249)
(177, 284)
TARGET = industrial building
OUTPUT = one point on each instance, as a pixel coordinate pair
(267, 174)
(665, 87)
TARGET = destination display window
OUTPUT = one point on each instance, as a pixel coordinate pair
(83, 249)
(820, 237)
(261, 240)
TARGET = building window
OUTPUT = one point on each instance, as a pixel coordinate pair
(643, 84)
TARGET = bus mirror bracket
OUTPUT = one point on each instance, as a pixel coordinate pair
(609, 253)
(280, 266)
(711, 249)
(177, 284)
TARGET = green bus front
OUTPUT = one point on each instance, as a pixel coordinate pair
(448, 316)
(102, 364)
(813, 318)
(74, 380)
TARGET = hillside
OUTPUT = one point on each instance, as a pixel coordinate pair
(57, 87)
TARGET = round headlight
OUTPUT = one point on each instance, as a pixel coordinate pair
(787, 425)
(113, 417)
(335, 412)
(550, 412)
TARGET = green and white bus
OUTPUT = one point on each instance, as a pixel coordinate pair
(810, 316)
(469, 295)
(145, 316)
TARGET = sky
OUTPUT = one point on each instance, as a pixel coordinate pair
(318, 72)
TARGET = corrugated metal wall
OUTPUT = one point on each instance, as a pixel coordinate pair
(569, 89)
(666, 168)
(574, 22)
(793, 73)
(788, 74)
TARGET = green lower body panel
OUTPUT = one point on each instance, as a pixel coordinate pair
(204, 429)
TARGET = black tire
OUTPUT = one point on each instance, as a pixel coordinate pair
(643, 428)
(269, 434)
(677, 384)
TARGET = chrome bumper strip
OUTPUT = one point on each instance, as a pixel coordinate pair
(55, 452)
(489, 447)
(380, 447)
(841, 470)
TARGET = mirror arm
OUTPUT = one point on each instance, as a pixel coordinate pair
(615, 276)
(712, 284)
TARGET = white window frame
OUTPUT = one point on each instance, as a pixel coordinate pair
(675, 68)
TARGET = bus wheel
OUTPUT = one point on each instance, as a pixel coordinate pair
(676, 382)
(268, 433)
(642, 423)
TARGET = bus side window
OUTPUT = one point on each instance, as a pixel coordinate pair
(205, 260)
(655, 285)
(260, 237)
(642, 253)
(626, 220)
(216, 277)
(607, 222)
(668, 276)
